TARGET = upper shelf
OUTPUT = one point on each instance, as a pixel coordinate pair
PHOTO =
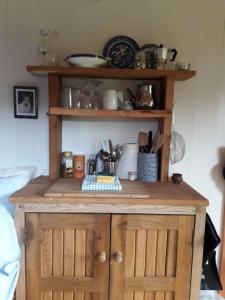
(110, 73)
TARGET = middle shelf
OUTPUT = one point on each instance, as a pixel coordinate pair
(60, 111)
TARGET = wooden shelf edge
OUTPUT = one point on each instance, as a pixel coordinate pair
(60, 111)
(110, 73)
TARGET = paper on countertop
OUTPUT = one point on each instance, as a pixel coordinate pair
(90, 184)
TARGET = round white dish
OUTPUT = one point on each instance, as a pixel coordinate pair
(86, 60)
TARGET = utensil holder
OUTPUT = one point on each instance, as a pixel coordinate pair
(109, 167)
(147, 167)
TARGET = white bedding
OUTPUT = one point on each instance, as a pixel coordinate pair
(210, 295)
(11, 180)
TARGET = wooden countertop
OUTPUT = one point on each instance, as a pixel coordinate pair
(39, 191)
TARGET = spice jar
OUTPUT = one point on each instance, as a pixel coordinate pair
(67, 164)
(132, 175)
(79, 166)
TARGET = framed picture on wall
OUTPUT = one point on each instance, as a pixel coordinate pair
(25, 102)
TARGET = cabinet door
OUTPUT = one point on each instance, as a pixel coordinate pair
(67, 256)
(151, 257)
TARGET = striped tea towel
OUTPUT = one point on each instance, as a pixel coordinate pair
(90, 184)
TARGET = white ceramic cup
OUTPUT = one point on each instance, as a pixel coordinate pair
(110, 100)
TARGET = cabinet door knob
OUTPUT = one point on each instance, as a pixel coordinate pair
(101, 257)
(118, 257)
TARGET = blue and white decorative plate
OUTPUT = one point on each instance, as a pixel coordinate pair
(121, 51)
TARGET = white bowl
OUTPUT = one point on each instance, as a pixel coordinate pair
(86, 60)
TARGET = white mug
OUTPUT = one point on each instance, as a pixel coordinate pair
(110, 100)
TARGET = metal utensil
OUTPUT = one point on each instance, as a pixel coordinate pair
(104, 155)
(110, 147)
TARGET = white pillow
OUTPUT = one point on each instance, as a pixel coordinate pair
(209, 295)
(11, 180)
(29, 171)
(9, 185)
(10, 255)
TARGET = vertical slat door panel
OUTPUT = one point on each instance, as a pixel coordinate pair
(171, 259)
(184, 257)
(161, 259)
(69, 257)
(61, 256)
(33, 261)
(156, 250)
(130, 259)
(57, 259)
(140, 259)
(46, 295)
(80, 258)
(151, 249)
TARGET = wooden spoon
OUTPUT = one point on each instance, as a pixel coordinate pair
(159, 142)
(154, 141)
(142, 138)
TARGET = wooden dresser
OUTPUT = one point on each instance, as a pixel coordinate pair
(144, 243)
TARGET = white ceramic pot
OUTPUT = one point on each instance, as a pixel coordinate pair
(110, 100)
(128, 161)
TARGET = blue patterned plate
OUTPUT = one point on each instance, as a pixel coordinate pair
(121, 51)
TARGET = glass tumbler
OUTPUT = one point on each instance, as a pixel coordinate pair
(70, 97)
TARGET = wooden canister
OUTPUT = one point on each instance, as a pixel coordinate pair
(79, 166)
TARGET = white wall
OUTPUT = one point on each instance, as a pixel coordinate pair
(194, 28)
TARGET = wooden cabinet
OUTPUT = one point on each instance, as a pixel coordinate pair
(116, 257)
(93, 246)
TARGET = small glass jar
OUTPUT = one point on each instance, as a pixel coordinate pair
(67, 164)
(132, 175)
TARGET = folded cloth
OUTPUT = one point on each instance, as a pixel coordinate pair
(9, 255)
(90, 184)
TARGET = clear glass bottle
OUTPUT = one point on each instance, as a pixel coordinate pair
(47, 53)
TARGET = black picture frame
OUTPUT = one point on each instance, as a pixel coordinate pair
(25, 102)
